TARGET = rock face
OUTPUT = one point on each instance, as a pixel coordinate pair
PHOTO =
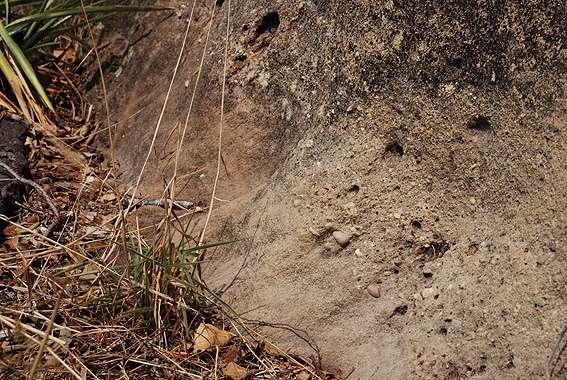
(452, 117)
(12, 153)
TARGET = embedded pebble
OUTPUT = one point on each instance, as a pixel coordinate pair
(374, 290)
(342, 239)
(539, 302)
(429, 292)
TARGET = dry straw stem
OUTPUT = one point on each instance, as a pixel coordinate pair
(181, 139)
(101, 73)
(221, 128)
(50, 325)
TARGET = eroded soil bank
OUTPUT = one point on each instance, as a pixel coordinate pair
(431, 133)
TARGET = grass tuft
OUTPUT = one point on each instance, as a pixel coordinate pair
(29, 28)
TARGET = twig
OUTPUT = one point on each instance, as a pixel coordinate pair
(40, 190)
(163, 203)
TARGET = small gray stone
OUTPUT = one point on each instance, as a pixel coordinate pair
(342, 239)
(374, 290)
(539, 302)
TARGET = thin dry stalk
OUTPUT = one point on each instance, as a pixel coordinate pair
(101, 73)
(166, 100)
(221, 127)
(50, 325)
(131, 303)
(193, 96)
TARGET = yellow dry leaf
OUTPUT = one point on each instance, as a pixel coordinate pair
(108, 197)
(68, 55)
(51, 362)
(12, 230)
(234, 371)
(90, 273)
(208, 336)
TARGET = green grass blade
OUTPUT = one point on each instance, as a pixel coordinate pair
(80, 10)
(25, 65)
(42, 37)
(6, 11)
(23, 2)
(15, 84)
(34, 24)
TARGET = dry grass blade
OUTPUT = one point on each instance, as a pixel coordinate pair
(25, 64)
(50, 325)
(15, 85)
(221, 127)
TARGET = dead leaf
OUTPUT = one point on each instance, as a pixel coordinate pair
(13, 244)
(68, 55)
(32, 219)
(232, 354)
(303, 375)
(208, 336)
(12, 230)
(90, 273)
(108, 197)
(234, 371)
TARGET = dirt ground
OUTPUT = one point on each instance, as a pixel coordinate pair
(428, 137)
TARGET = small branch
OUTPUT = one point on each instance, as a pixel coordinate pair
(163, 203)
(38, 189)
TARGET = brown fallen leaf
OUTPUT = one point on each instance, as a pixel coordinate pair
(68, 55)
(208, 336)
(32, 219)
(234, 371)
(13, 244)
(12, 230)
(232, 354)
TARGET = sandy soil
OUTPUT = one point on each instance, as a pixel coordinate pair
(428, 138)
